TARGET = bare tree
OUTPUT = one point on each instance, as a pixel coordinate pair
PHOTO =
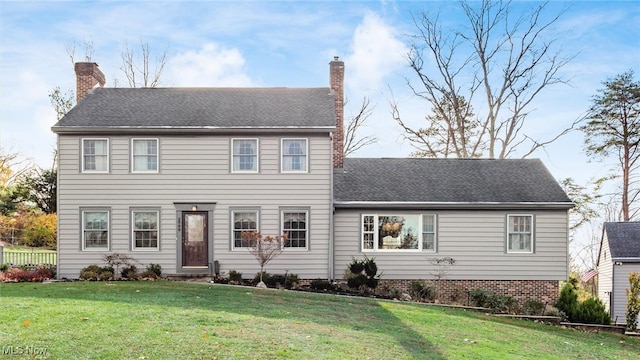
(352, 139)
(87, 45)
(137, 68)
(264, 248)
(498, 63)
(452, 130)
(61, 102)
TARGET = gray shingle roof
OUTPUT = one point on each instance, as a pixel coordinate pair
(202, 108)
(447, 181)
(624, 239)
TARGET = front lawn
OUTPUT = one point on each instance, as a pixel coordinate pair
(178, 320)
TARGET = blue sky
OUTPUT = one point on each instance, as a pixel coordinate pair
(215, 43)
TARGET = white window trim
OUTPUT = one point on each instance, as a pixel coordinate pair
(133, 170)
(83, 155)
(508, 232)
(435, 233)
(419, 231)
(232, 226)
(257, 157)
(82, 230)
(133, 230)
(306, 157)
(307, 230)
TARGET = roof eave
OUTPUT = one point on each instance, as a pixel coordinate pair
(186, 129)
(626, 259)
(452, 205)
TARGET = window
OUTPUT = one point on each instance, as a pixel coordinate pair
(95, 230)
(294, 155)
(294, 223)
(520, 233)
(145, 155)
(399, 232)
(429, 232)
(245, 155)
(243, 221)
(145, 230)
(95, 155)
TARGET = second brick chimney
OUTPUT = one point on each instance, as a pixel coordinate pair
(336, 75)
(87, 77)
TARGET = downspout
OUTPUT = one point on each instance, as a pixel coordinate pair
(331, 254)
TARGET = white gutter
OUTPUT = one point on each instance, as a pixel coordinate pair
(451, 205)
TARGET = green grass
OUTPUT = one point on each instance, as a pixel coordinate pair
(176, 320)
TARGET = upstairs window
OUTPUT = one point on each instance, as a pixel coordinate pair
(382, 232)
(95, 155)
(519, 233)
(144, 155)
(245, 155)
(243, 221)
(294, 155)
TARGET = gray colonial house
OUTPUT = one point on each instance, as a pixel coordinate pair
(173, 176)
(619, 256)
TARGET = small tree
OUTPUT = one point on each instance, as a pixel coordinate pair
(115, 260)
(633, 301)
(264, 248)
(441, 269)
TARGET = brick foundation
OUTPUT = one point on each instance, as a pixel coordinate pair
(456, 291)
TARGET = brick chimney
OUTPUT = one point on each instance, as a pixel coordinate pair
(336, 74)
(87, 77)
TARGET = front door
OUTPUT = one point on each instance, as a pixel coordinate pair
(195, 240)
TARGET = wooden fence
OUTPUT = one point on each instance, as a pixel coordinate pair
(33, 257)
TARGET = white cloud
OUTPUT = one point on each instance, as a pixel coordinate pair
(376, 53)
(211, 66)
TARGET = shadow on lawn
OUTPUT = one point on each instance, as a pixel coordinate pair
(320, 309)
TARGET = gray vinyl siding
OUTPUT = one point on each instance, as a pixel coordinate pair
(195, 169)
(620, 285)
(476, 240)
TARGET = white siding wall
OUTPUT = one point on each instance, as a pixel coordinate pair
(476, 240)
(195, 169)
(620, 286)
(605, 274)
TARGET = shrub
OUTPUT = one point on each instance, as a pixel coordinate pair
(235, 276)
(279, 280)
(493, 301)
(130, 272)
(21, 275)
(568, 300)
(364, 274)
(533, 307)
(95, 272)
(265, 277)
(633, 301)
(554, 311)
(395, 293)
(592, 311)
(321, 284)
(155, 269)
(421, 291)
(4, 267)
